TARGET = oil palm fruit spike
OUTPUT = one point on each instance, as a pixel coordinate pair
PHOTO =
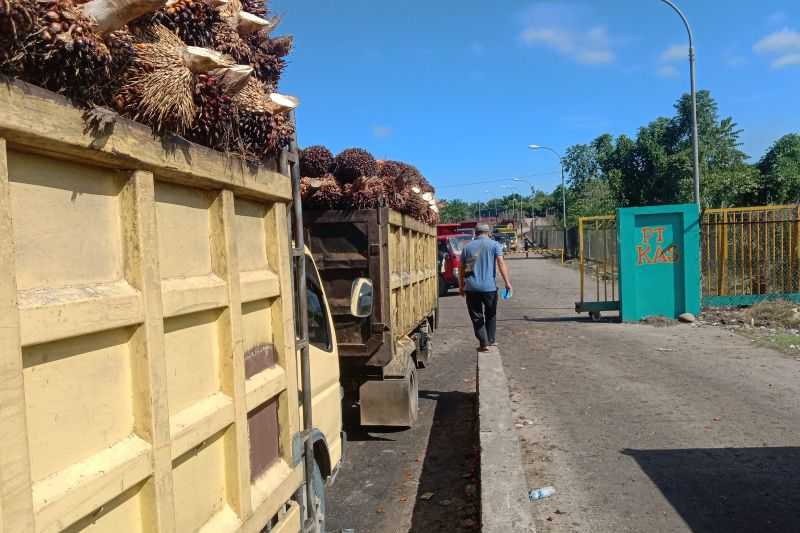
(159, 87)
(252, 97)
(329, 194)
(248, 24)
(192, 20)
(110, 15)
(213, 125)
(256, 7)
(16, 23)
(369, 192)
(389, 169)
(408, 177)
(268, 56)
(315, 161)
(227, 40)
(353, 163)
(63, 54)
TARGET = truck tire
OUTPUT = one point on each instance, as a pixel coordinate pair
(443, 288)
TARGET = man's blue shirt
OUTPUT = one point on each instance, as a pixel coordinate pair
(479, 261)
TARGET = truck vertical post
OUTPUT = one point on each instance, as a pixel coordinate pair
(291, 160)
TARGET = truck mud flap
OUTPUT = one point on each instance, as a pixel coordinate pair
(390, 402)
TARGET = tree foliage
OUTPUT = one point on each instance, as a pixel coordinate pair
(656, 167)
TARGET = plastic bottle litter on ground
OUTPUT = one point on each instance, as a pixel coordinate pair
(539, 494)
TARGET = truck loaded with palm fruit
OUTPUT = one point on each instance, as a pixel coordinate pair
(168, 361)
(367, 219)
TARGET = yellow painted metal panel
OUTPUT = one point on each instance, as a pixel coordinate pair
(134, 298)
(251, 235)
(66, 222)
(184, 245)
(62, 409)
(192, 352)
(200, 480)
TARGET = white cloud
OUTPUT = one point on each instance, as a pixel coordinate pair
(675, 52)
(783, 44)
(787, 60)
(668, 71)
(559, 27)
(382, 132)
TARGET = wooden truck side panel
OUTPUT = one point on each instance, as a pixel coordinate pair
(397, 253)
(147, 357)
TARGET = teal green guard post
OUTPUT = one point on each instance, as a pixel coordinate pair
(659, 261)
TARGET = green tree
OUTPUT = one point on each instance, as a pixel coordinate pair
(780, 171)
(456, 211)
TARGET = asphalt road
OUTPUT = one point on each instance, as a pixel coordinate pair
(423, 479)
(647, 429)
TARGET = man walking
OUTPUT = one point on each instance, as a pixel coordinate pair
(480, 261)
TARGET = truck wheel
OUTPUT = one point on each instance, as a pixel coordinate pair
(443, 288)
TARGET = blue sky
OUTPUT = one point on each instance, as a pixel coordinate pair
(459, 88)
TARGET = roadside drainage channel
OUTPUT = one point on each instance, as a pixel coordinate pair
(504, 493)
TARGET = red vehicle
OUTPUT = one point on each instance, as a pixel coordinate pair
(450, 247)
(446, 229)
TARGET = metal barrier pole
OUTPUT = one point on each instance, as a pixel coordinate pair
(580, 253)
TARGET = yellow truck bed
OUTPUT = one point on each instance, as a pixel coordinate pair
(148, 373)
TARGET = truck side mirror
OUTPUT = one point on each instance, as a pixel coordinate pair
(361, 298)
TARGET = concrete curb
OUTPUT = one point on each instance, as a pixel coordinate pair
(504, 491)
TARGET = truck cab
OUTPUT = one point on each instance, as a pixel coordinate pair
(449, 249)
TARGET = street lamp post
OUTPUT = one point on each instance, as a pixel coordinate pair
(695, 139)
(563, 188)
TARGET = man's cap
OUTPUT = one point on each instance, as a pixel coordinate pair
(482, 228)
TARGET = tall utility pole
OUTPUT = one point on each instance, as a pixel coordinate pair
(563, 187)
(692, 75)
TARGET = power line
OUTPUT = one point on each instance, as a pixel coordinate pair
(497, 180)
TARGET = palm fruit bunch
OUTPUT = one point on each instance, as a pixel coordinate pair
(16, 22)
(159, 86)
(261, 130)
(213, 125)
(370, 192)
(192, 20)
(322, 193)
(315, 161)
(64, 54)
(268, 57)
(352, 163)
(409, 178)
(206, 69)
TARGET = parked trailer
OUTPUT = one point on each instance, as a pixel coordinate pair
(380, 354)
(149, 379)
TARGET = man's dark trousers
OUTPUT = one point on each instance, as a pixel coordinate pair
(482, 307)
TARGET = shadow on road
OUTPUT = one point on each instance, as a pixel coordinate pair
(560, 319)
(747, 490)
(448, 493)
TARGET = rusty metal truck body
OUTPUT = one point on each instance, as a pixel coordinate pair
(380, 354)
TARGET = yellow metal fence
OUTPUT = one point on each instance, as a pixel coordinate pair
(750, 251)
(747, 254)
(597, 249)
